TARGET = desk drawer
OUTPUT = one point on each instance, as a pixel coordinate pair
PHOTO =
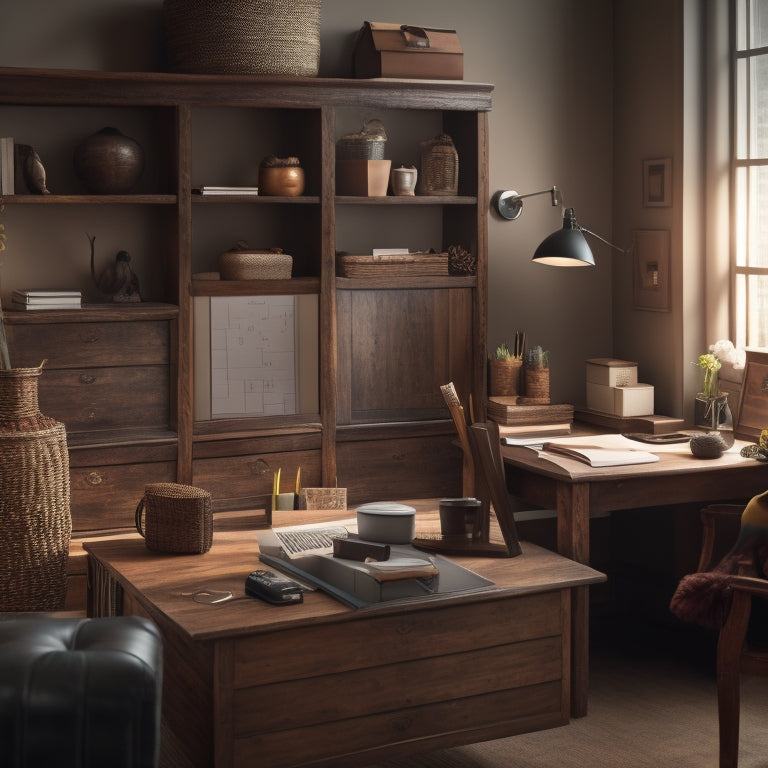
(80, 345)
(85, 399)
(104, 495)
(447, 676)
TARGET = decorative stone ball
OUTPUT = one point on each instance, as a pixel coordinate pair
(708, 446)
(109, 163)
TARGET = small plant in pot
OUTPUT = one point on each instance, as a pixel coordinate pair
(281, 176)
(504, 372)
(537, 376)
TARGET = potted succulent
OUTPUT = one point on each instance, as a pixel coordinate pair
(537, 376)
(504, 372)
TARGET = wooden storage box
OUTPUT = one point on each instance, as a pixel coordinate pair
(363, 178)
(403, 50)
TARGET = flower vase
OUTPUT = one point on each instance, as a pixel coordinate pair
(34, 498)
(713, 414)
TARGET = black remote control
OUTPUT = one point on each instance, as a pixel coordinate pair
(275, 589)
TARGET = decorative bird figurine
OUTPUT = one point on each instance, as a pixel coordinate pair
(118, 280)
(32, 170)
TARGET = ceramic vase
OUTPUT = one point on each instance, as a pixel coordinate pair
(109, 163)
(285, 181)
(403, 181)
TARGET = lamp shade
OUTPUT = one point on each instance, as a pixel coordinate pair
(567, 247)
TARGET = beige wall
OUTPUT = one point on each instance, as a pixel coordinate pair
(554, 64)
(660, 108)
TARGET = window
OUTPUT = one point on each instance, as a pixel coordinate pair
(750, 174)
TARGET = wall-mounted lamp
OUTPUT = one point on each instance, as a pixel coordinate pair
(567, 247)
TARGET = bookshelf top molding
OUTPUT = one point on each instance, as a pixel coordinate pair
(97, 88)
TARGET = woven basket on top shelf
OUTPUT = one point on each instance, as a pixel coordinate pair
(251, 37)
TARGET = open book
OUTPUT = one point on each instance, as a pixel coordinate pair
(598, 456)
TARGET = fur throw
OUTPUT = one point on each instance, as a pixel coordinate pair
(705, 598)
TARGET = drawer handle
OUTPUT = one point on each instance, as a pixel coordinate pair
(86, 378)
(94, 478)
(259, 467)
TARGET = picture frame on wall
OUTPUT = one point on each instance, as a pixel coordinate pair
(753, 405)
(657, 183)
(651, 269)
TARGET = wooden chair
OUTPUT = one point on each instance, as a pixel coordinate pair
(736, 655)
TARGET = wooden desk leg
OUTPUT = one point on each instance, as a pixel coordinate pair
(573, 542)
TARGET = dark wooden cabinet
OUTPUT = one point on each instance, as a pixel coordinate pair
(134, 384)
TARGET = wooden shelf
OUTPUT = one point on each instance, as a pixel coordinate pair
(378, 349)
(88, 199)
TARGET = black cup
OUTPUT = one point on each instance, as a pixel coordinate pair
(458, 517)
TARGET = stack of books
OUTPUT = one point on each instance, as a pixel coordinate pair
(7, 175)
(32, 300)
(514, 419)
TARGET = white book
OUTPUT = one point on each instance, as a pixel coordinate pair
(596, 456)
(43, 296)
(7, 174)
(389, 253)
(214, 190)
(34, 307)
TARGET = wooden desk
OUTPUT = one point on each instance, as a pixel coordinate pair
(247, 683)
(576, 491)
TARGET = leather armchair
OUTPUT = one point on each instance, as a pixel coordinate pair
(79, 692)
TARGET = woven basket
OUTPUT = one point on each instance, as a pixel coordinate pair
(175, 518)
(360, 149)
(536, 386)
(439, 172)
(255, 265)
(34, 499)
(250, 37)
(504, 377)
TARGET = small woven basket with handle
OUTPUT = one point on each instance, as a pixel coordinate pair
(175, 518)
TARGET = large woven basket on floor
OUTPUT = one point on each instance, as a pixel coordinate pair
(247, 37)
(34, 499)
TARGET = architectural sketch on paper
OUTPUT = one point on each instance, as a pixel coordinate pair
(253, 356)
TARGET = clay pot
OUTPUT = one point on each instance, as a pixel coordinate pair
(109, 163)
(285, 181)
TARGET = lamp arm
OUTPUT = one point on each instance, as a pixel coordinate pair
(625, 251)
(553, 191)
(509, 205)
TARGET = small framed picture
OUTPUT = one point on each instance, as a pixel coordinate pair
(753, 406)
(651, 269)
(657, 183)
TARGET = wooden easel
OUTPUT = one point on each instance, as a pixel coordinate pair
(484, 478)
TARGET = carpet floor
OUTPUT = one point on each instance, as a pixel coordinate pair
(652, 704)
